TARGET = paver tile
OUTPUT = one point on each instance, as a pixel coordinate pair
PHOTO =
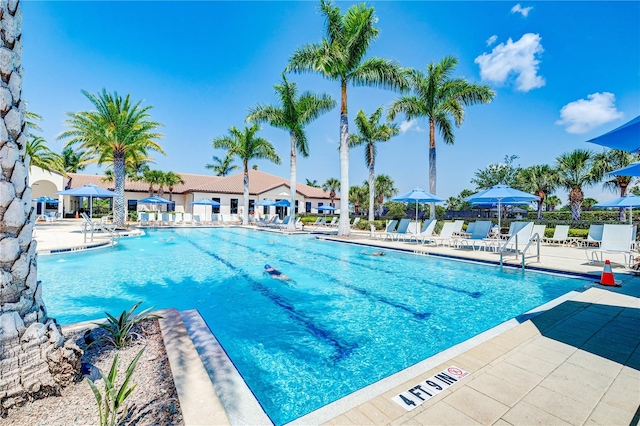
(561, 406)
(544, 354)
(339, 421)
(444, 414)
(605, 414)
(390, 408)
(526, 414)
(486, 352)
(498, 389)
(468, 362)
(374, 414)
(502, 422)
(554, 345)
(357, 417)
(515, 375)
(595, 363)
(574, 390)
(476, 405)
(623, 393)
(530, 363)
(631, 372)
(583, 376)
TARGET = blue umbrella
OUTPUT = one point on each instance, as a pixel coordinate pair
(282, 203)
(155, 200)
(624, 138)
(622, 202)
(265, 202)
(417, 195)
(207, 202)
(91, 191)
(632, 169)
(326, 208)
(44, 199)
(501, 194)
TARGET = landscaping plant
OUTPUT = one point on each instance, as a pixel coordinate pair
(119, 329)
(112, 406)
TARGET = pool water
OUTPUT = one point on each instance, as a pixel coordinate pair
(346, 321)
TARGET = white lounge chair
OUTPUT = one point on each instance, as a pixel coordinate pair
(446, 234)
(477, 239)
(425, 232)
(616, 239)
(391, 227)
(402, 231)
(333, 223)
(560, 235)
(188, 219)
(594, 236)
(196, 220)
(518, 241)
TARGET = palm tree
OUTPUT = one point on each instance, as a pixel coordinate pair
(23, 310)
(452, 203)
(293, 114)
(172, 179)
(41, 156)
(612, 159)
(118, 130)
(331, 186)
(222, 167)
(384, 188)
(552, 202)
(358, 196)
(312, 183)
(539, 179)
(246, 145)
(575, 171)
(370, 132)
(152, 177)
(340, 57)
(439, 98)
(74, 161)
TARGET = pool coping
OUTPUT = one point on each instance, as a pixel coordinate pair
(91, 246)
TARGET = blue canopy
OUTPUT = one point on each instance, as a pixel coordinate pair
(154, 200)
(45, 199)
(417, 195)
(624, 138)
(282, 203)
(622, 202)
(206, 202)
(265, 202)
(91, 191)
(326, 208)
(632, 169)
(501, 194)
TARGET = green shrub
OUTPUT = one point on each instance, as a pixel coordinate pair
(119, 329)
(364, 225)
(112, 406)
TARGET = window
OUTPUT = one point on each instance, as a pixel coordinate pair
(234, 206)
(295, 203)
(307, 207)
(132, 205)
(216, 209)
(252, 206)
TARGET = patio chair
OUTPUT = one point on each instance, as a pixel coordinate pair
(178, 219)
(187, 219)
(320, 222)
(560, 236)
(517, 241)
(467, 233)
(333, 223)
(401, 231)
(152, 219)
(391, 227)
(595, 235)
(446, 235)
(425, 232)
(355, 222)
(196, 220)
(143, 218)
(477, 239)
(616, 239)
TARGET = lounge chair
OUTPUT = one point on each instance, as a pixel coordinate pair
(446, 234)
(615, 239)
(320, 222)
(519, 240)
(188, 219)
(560, 236)
(477, 239)
(196, 220)
(425, 232)
(284, 223)
(355, 222)
(143, 219)
(333, 223)
(467, 233)
(178, 220)
(401, 231)
(595, 235)
(391, 227)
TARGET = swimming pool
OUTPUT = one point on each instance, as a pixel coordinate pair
(348, 320)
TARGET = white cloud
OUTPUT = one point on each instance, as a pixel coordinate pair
(524, 11)
(514, 58)
(409, 125)
(492, 40)
(585, 114)
(330, 141)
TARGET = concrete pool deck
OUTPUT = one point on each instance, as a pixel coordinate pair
(576, 363)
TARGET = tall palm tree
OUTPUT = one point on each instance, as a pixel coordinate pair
(293, 114)
(340, 57)
(370, 132)
(222, 167)
(385, 187)
(439, 98)
(576, 171)
(612, 159)
(74, 161)
(115, 131)
(539, 179)
(30, 339)
(41, 156)
(331, 186)
(358, 196)
(312, 183)
(246, 145)
(152, 178)
(172, 179)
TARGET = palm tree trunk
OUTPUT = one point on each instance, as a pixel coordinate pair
(292, 184)
(371, 183)
(31, 344)
(623, 191)
(432, 166)
(542, 196)
(119, 172)
(245, 212)
(575, 201)
(343, 227)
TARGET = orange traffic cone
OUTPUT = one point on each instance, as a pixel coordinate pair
(607, 275)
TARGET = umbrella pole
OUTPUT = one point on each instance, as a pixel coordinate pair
(630, 215)
(499, 213)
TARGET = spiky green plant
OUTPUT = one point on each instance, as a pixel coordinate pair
(119, 330)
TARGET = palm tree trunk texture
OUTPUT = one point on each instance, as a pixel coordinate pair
(371, 184)
(343, 228)
(245, 203)
(292, 184)
(575, 201)
(119, 173)
(432, 167)
(34, 360)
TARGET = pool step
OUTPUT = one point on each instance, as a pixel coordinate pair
(241, 405)
(198, 399)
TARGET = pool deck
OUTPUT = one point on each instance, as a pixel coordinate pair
(574, 361)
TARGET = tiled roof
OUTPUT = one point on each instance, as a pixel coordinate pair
(259, 183)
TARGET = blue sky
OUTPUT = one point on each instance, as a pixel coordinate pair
(564, 72)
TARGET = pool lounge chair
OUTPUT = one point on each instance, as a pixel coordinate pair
(518, 241)
(143, 218)
(333, 223)
(355, 222)
(446, 235)
(560, 236)
(196, 220)
(402, 231)
(477, 239)
(616, 239)
(187, 219)
(425, 232)
(320, 222)
(595, 236)
(390, 228)
(466, 233)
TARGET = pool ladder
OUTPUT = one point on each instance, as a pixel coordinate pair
(535, 238)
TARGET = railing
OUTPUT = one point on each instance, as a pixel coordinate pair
(535, 237)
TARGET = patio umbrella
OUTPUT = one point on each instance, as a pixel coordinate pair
(632, 169)
(207, 202)
(265, 202)
(44, 199)
(155, 200)
(417, 195)
(91, 191)
(501, 194)
(624, 138)
(326, 209)
(282, 203)
(630, 201)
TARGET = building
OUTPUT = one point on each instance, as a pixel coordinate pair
(227, 190)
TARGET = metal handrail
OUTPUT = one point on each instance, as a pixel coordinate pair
(535, 237)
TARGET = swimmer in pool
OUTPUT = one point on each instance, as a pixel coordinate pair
(166, 240)
(274, 273)
(375, 253)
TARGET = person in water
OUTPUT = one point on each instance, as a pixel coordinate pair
(167, 240)
(376, 253)
(274, 273)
